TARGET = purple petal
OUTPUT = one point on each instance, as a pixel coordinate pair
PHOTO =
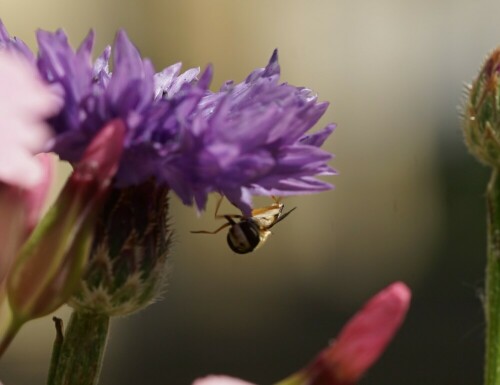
(317, 139)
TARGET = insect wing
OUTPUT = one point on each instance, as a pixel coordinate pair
(265, 217)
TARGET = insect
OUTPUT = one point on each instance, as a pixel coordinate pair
(248, 233)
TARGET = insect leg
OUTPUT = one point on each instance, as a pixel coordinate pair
(217, 207)
(217, 216)
(212, 232)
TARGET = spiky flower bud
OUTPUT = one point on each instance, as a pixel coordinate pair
(131, 243)
(482, 113)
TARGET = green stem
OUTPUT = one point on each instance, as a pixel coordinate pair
(80, 358)
(492, 297)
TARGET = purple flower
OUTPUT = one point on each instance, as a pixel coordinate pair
(249, 139)
(246, 139)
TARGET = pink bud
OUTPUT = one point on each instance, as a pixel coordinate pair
(359, 344)
(362, 340)
(50, 263)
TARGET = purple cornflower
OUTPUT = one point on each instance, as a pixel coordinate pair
(246, 139)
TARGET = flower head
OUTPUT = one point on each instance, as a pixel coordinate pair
(246, 139)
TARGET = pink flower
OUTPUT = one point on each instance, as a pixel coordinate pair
(25, 101)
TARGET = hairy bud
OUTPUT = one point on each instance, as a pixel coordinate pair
(129, 253)
(482, 113)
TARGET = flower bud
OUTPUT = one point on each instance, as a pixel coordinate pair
(481, 115)
(358, 346)
(50, 263)
(129, 253)
(21, 209)
(360, 343)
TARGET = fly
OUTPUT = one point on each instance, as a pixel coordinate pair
(247, 233)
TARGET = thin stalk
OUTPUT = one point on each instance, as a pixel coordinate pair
(80, 358)
(56, 349)
(492, 295)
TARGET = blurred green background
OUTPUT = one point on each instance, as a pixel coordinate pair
(408, 203)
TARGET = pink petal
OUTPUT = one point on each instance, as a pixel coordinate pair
(101, 158)
(25, 102)
(220, 380)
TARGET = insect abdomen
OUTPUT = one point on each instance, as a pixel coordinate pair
(243, 237)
